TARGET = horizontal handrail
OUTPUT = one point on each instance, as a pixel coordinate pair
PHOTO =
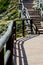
(20, 19)
(6, 36)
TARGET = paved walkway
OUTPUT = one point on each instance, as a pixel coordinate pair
(29, 52)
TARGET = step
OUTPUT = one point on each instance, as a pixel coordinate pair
(30, 10)
(37, 23)
(40, 31)
(28, 5)
(40, 27)
(35, 16)
(33, 12)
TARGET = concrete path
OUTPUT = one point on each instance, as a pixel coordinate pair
(29, 52)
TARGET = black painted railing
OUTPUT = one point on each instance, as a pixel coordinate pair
(8, 39)
(33, 27)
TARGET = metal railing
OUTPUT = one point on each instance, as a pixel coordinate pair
(8, 39)
(31, 25)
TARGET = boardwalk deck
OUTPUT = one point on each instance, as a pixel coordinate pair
(29, 52)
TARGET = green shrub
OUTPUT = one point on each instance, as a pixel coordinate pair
(4, 5)
(40, 5)
(42, 8)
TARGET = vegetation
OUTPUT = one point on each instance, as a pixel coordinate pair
(41, 6)
(3, 27)
(4, 5)
(19, 29)
(12, 15)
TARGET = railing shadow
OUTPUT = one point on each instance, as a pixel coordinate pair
(27, 38)
(24, 54)
(21, 56)
(14, 60)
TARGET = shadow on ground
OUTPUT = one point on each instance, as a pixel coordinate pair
(19, 51)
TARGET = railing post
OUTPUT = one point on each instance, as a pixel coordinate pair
(23, 28)
(2, 57)
(31, 26)
(9, 46)
(36, 30)
(14, 30)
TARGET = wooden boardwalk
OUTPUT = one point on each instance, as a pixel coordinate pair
(29, 52)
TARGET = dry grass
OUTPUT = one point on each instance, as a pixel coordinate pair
(1, 0)
(4, 22)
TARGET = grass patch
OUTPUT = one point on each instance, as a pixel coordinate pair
(4, 51)
(3, 27)
(19, 29)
